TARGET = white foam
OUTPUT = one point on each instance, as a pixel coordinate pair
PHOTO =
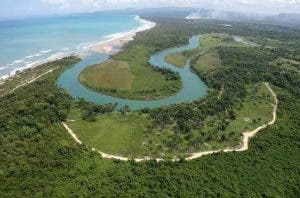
(65, 49)
(33, 56)
(45, 51)
(4, 67)
(18, 61)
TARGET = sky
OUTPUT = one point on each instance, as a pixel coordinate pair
(21, 8)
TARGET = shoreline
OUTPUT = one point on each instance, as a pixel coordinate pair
(116, 41)
(110, 45)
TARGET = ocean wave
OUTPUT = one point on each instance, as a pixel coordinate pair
(65, 49)
(33, 56)
(4, 67)
(85, 44)
(18, 61)
(46, 51)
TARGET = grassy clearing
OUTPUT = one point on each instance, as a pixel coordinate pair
(177, 59)
(148, 83)
(288, 64)
(209, 41)
(109, 75)
(207, 62)
(114, 133)
(253, 111)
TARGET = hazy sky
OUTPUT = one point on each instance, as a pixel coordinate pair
(17, 8)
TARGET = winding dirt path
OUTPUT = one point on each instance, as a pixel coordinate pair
(243, 147)
(221, 93)
(30, 80)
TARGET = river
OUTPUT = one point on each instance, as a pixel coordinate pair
(193, 87)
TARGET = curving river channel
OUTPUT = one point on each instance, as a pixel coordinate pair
(193, 87)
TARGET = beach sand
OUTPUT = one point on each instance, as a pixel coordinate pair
(116, 41)
(111, 46)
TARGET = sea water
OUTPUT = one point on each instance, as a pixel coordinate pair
(32, 41)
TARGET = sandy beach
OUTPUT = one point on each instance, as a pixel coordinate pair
(116, 41)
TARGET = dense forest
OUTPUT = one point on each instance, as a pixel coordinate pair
(39, 159)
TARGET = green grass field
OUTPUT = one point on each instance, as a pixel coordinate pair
(177, 59)
(109, 75)
(114, 133)
(208, 62)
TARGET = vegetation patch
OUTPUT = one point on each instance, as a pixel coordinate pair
(208, 61)
(109, 75)
(287, 64)
(177, 59)
(220, 131)
(116, 133)
(253, 111)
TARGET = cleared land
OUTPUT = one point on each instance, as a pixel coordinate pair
(288, 64)
(177, 59)
(109, 75)
(208, 61)
(115, 133)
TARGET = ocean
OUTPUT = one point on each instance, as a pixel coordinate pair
(29, 42)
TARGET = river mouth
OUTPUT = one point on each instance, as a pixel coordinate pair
(193, 88)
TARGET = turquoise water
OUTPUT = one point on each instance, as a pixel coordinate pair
(27, 42)
(193, 87)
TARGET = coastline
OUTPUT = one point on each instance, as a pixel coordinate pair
(110, 45)
(116, 41)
